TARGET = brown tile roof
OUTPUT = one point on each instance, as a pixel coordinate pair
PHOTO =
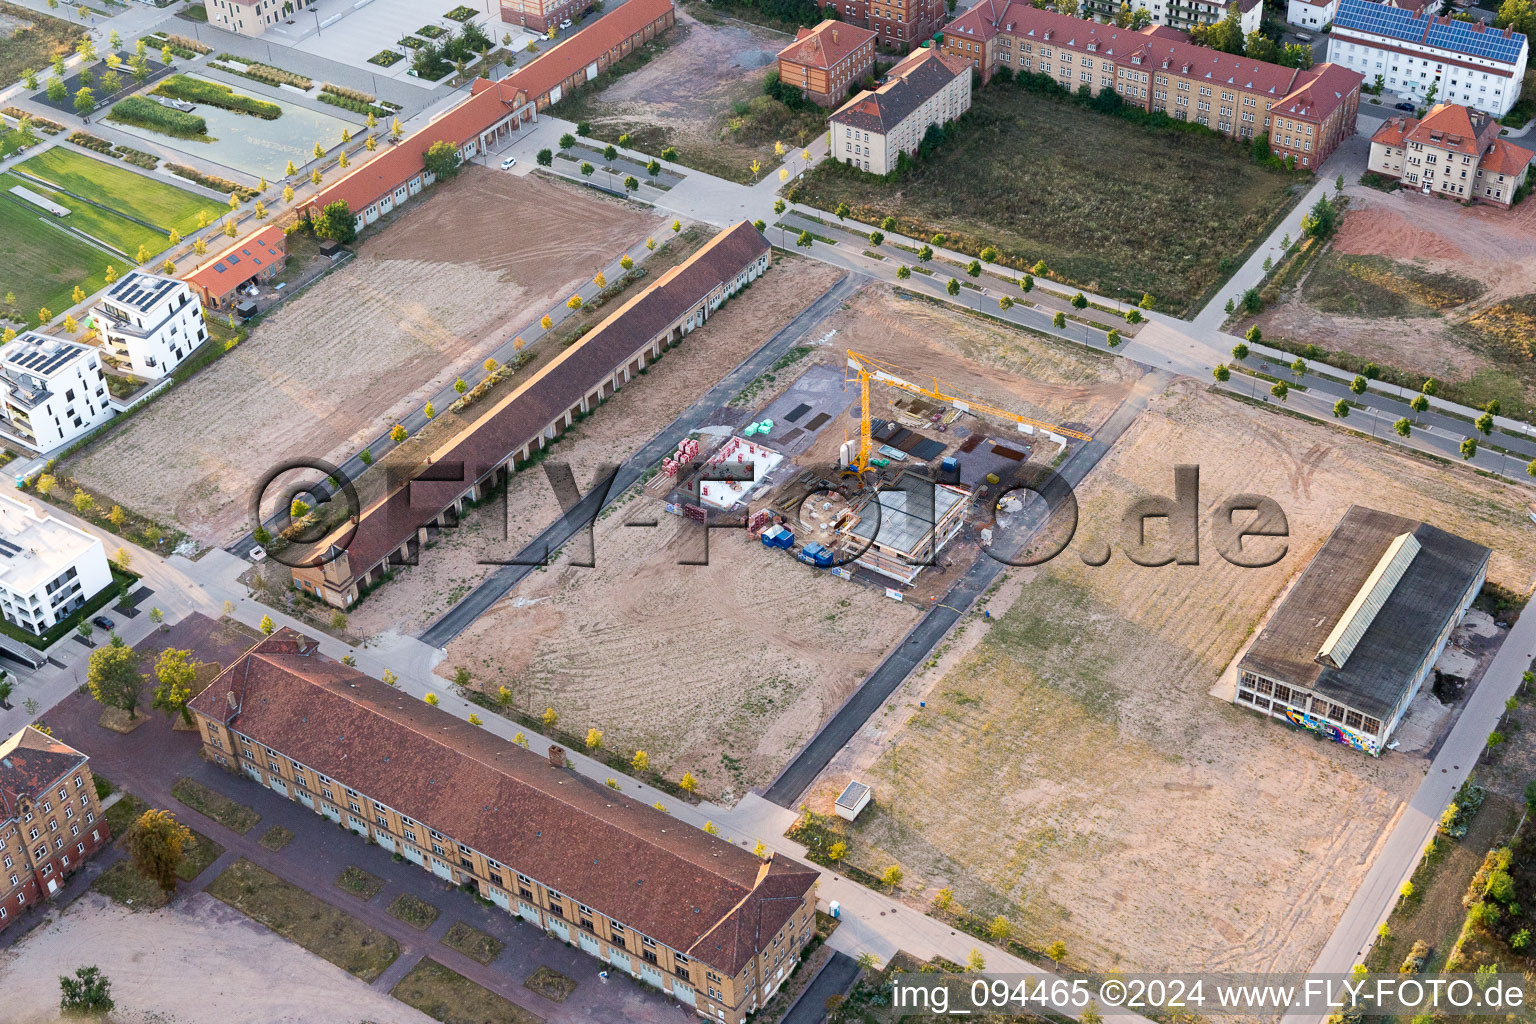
(1452, 127)
(240, 262)
(690, 890)
(1504, 157)
(907, 86)
(826, 45)
(1394, 130)
(533, 405)
(30, 763)
(560, 62)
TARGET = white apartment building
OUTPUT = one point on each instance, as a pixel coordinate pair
(1313, 14)
(48, 568)
(1466, 62)
(926, 88)
(1185, 14)
(151, 323)
(54, 391)
(250, 17)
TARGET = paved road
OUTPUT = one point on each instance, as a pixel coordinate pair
(498, 584)
(1399, 856)
(798, 775)
(835, 978)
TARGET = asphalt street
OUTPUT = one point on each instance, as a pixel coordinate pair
(585, 511)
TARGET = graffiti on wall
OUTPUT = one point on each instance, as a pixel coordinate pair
(1337, 733)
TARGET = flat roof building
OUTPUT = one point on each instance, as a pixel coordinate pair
(54, 391)
(1350, 644)
(905, 527)
(48, 568)
(707, 922)
(150, 323)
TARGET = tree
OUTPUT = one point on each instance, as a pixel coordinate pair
(1280, 390)
(1239, 351)
(1517, 14)
(586, 169)
(1057, 951)
(1299, 369)
(641, 762)
(545, 158)
(287, 193)
(1321, 219)
(975, 963)
(999, 929)
(688, 784)
(1403, 427)
(1079, 301)
(429, 411)
(627, 261)
(175, 675)
(1430, 387)
(267, 626)
(156, 845)
(441, 159)
(336, 222)
(876, 238)
(315, 177)
(57, 90)
(953, 287)
(1260, 47)
(867, 961)
(87, 993)
(837, 851)
(1468, 447)
(85, 100)
(1221, 373)
(631, 183)
(1005, 303)
(1341, 409)
(1358, 385)
(343, 161)
(1091, 1015)
(610, 153)
(371, 143)
(903, 272)
(111, 82)
(653, 168)
(805, 241)
(1059, 321)
(574, 302)
(891, 877)
(113, 676)
(925, 254)
(1484, 422)
(1112, 338)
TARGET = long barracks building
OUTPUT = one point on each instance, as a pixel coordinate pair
(704, 921)
(1306, 113)
(392, 530)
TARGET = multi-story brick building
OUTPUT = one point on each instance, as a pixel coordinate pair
(50, 819)
(898, 24)
(540, 15)
(826, 61)
(1452, 152)
(873, 129)
(1306, 113)
(702, 920)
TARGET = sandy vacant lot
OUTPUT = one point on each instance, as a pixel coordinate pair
(419, 594)
(422, 300)
(1071, 770)
(1495, 249)
(194, 962)
(726, 669)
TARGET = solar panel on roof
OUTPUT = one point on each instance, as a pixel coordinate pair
(8, 549)
(1460, 36)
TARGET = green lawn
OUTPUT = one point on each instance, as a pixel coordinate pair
(1110, 205)
(163, 205)
(448, 996)
(118, 232)
(41, 264)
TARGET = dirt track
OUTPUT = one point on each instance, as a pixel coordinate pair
(424, 299)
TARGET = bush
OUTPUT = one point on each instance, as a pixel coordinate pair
(216, 94)
(146, 113)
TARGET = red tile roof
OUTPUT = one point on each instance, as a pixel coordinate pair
(240, 262)
(1504, 157)
(518, 418)
(1394, 130)
(30, 763)
(1450, 126)
(826, 45)
(568, 58)
(692, 891)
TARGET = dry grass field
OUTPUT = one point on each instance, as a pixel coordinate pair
(1429, 287)
(423, 300)
(1071, 770)
(726, 669)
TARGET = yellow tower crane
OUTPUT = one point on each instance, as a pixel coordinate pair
(867, 367)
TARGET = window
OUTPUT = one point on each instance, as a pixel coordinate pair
(410, 835)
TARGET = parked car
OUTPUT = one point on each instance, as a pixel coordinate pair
(509, 163)
(102, 622)
(566, 23)
(1405, 106)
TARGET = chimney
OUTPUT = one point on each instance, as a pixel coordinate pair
(556, 756)
(229, 697)
(834, 37)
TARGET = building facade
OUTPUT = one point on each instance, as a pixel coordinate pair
(1311, 14)
(560, 70)
(50, 819)
(1185, 14)
(1353, 640)
(54, 391)
(393, 530)
(255, 259)
(1305, 113)
(1414, 52)
(898, 24)
(250, 17)
(826, 61)
(541, 15)
(705, 922)
(48, 568)
(872, 130)
(1453, 152)
(150, 323)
